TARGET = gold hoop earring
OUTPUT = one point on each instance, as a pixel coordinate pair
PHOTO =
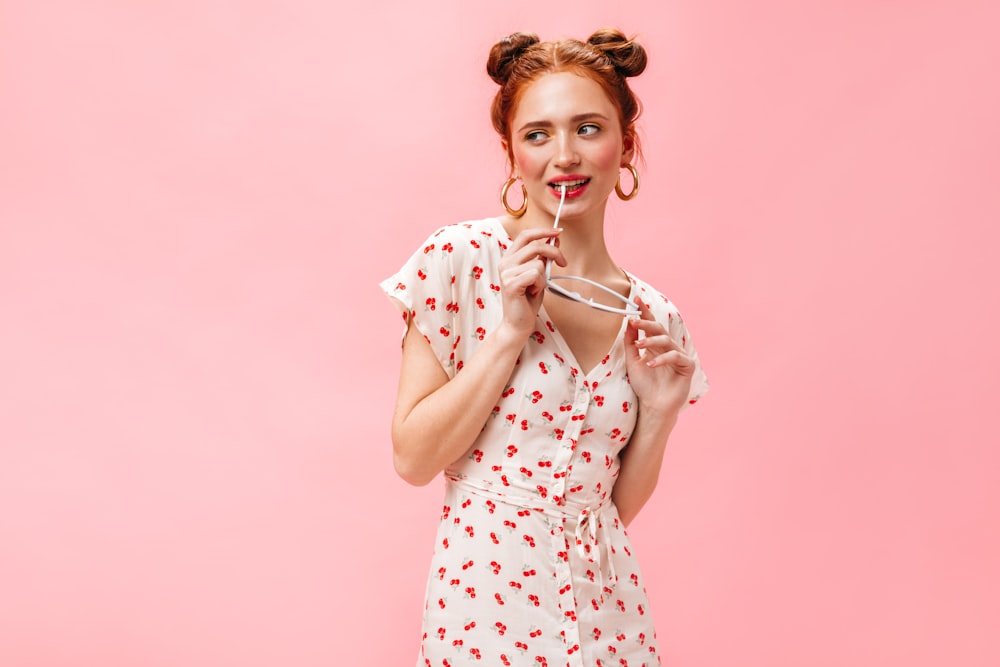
(517, 213)
(635, 184)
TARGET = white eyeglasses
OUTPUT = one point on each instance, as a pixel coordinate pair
(630, 309)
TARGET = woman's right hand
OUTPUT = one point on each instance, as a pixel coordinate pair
(522, 276)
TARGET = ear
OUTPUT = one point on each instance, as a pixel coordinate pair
(510, 157)
(628, 148)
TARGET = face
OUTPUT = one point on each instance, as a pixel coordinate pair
(565, 130)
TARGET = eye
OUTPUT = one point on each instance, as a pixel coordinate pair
(589, 128)
(535, 136)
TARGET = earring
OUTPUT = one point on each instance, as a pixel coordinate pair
(635, 184)
(517, 213)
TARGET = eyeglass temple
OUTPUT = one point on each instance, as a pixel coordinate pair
(630, 308)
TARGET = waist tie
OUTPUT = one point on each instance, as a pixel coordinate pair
(591, 532)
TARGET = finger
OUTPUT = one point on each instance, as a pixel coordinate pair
(536, 249)
(529, 236)
(679, 362)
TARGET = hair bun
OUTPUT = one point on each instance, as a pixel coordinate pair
(505, 53)
(627, 55)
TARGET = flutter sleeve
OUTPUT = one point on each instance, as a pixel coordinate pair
(424, 291)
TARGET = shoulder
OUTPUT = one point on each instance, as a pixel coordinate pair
(466, 237)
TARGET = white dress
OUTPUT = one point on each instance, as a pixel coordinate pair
(532, 565)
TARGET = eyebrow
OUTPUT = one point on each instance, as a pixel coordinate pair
(575, 119)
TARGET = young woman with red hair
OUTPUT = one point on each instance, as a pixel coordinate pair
(542, 379)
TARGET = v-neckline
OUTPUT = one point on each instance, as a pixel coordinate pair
(561, 342)
(568, 351)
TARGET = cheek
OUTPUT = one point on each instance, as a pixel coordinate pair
(527, 164)
(608, 156)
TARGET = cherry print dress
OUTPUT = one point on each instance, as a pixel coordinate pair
(532, 565)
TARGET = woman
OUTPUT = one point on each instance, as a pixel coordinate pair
(548, 416)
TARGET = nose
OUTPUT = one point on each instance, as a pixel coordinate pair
(566, 154)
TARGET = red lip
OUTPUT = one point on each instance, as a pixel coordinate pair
(557, 191)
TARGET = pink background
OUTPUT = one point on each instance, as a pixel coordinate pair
(197, 369)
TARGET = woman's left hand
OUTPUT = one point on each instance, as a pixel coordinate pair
(661, 377)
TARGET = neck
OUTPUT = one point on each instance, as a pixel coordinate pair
(582, 242)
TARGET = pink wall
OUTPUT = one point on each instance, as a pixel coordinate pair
(197, 200)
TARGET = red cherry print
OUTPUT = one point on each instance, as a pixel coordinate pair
(441, 632)
(454, 582)
(477, 455)
(576, 418)
(558, 433)
(447, 247)
(549, 326)
(529, 540)
(626, 551)
(509, 391)
(511, 450)
(529, 573)
(430, 303)
(452, 307)
(467, 564)
(605, 360)
(607, 461)
(511, 418)
(480, 333)
(559, 359)
(620, 636)
(541, 661)
(495, 566)
(641, 610)
(538, 337)
(524, 512)
(459, 366)
(534, 600)
(421, 274)
(441, 603)
(515, 584)
(510, 524)
(501, 628)
(524, 424)
(576, 489)
(480, 304)
(457, 642)
(571, 615)
(504, 480)
(586, 456)
(441, 572)
(563, 556)
(526, 472)
(495, 288)
(474, 242)
(444, 331)
(615, 432)
(521, 645)
(445, 511)
(573, 649)
(444, 543)
(496, 540)
(620, 605)
(536, 396)
(545, 464)
(466, 503)
(475, 653)
(597, 634)
(623, 662)
(427, 249)
(635, 579)
(470, 531)
(542, 366)
(490, 506)
(626, 406)
(565, 589)
(612, 649)
(565, 407)
(505, 660)
(470, 625)
(599, 400)
(548, 416)
(496, 468)
(541, 491)
(642, 638)
(499, 598)
(590, 575)
(535, 633)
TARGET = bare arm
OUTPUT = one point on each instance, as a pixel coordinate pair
(436, 419)
(661, 380)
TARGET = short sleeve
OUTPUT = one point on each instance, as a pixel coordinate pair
(424, 291)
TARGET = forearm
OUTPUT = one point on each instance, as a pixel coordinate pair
(442, 425)
(641, 461)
